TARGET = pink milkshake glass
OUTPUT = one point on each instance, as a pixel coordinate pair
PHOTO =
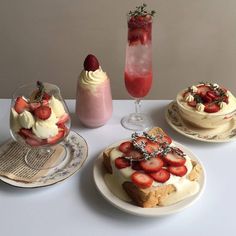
(94, 104)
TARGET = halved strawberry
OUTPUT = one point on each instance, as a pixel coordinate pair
(121, 162)
(63, 119)
(161, 176)
(192, 104)
(152, 165)
(178, 170)
(134, 154)
(56, 138)
(20, 105)
(141, 180)
(202, 89)
(173, 159)
(125, 146)
(152, 146)
(211, 107)
(43, 112)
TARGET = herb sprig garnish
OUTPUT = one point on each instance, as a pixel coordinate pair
(163, 150)
(141, 11)
(39, 94)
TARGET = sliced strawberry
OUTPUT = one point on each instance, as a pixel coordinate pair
(178, 170)
(137, 36)
(63, 119)
(46, 96)
(212, 94)
(20, 105)
(192, 104)
(135, 165)
(141, 180)
(226, 99)
(135, 155)
(152, 165)
(141, 140)
(56, 138)
(43, 112)
(206, 98)
(91, 63)
(202, 89)
(121, 163)
(211, 107)
(27, 133)
(34, 142)
(166, 139)
(152, 146)
(173, 159)
(34, 105)
(125, 146)
(161, 176)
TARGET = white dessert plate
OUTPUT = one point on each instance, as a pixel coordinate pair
(223, 133)
(99, 173)
(77, 152)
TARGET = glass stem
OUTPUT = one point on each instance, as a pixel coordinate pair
(137, 106)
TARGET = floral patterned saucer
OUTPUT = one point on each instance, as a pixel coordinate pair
(77, 152)
(224, 133)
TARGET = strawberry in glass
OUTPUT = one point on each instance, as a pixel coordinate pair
(138, 64)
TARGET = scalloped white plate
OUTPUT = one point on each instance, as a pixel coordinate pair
(221, 134)
(77, 152)
(99, 173)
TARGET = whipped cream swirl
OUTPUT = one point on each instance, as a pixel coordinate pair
(92, 78)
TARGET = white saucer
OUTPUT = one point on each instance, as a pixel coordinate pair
(224, 133)
(77, 152)
(126, 206)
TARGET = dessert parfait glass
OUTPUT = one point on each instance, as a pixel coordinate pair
(39, 119)
(138, 67)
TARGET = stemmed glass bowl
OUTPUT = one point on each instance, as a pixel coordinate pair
(40, 121)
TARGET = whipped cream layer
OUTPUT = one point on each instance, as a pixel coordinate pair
(56, 106)
(14, 121)
(26, 119)
(224, 107)
(184, 187)
(46, 128)
(91, 79)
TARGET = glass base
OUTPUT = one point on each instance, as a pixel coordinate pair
(136, 122)
(42, 158)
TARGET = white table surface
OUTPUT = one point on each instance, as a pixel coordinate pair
(75, 207)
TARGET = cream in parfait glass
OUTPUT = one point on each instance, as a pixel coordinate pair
(40, 120)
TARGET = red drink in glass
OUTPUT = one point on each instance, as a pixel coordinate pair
(138, 66)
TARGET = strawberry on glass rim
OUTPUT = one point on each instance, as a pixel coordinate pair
(39, 119)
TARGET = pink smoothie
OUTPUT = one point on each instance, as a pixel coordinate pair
(94, 105)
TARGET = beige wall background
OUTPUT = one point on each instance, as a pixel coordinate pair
(48, 40)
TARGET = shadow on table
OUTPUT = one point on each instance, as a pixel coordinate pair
(94, 200)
